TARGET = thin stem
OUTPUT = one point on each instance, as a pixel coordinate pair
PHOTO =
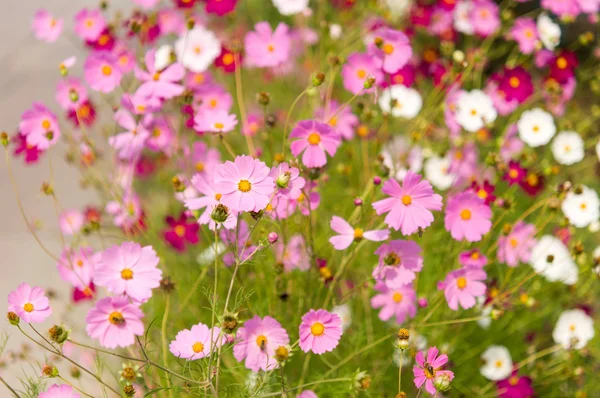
(400, 372)
(107, 352)
(12, 390)
(538, 355)
(287, 120)
(163, 335)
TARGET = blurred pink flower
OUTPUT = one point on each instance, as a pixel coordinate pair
(357, 69)
(267, 48)
(160, 83)
(462, 286)
(102, 72)
(46, 27)
(39, 126)
(392, 47)
(467, 217)
(517, 245)
(399, 302)
(89, 24)
(399, 261)
(257, 341)
(347, 234)
(59, 391)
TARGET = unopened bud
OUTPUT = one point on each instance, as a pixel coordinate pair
(49, 370)
(442, 382)
(58, 334)
(318, 79)
(220, 213)
(263, 98)
(178, 185)
(4, 139)
(283, 179)
(273, 237)
(281, 353)
(230, 323)
(370, 82)
(190, 23)
(129, 390)
(13, 318)
(47, 188)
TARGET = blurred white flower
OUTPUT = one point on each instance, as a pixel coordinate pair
(568, 148)
(536, 127)
(581, 207)
(573, 329)
(498, 363)
(475, 110)
(549, 31)
(407, 102)
(551, 258)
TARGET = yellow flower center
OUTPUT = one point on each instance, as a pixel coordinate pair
(244, 186)
(562, 63)
(271, 48)
(213, 103)
(513, 242)
(473, 112)
(397, 297)
(127, 273)
(514, 380)
(116, 318)
(482, 193)
(261, 341)
(572, 328)
(219, 126)
(361, 73)
(156, 76)
(197, 50)
(583, 206)
(218, 196)
(45, 124)
(28, 307)
(358, 233)
(199, 78)
(317, 329)
(314, 139)
(89, 23)
(475, 255)
(406, 200)
(198, 347)
(533, 180)
(180, 231)
(79, 263)
(513, 173)
(227, 59)
(333, 122)
(536, 128)
(498, 364)
(461, 282)
(465, 214)
(388, 48)
(103, 39)
(200, 166)
(514, 82)
(106, 70)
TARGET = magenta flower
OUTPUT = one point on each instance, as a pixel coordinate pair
(39, 126)
(358, 68)
(392, 48)
(128, 144)
(343, 123)
(102, 71)
(89, 25)
(29, 303)
(129, 269)
(71, 93)
(515, 173)
(257, 341)
(46, 27)
(467, 217)
(347, 234)
(473, 258)
(430, 368)
(524, 32)
(288, 180)
(77, 267)
(244, 183)
(462, 286)
(181, 231)
(515, 386)
(59, 391)
(320, 331)
(160, 83)
(399, 261)
(215, 121)
(314, 139)
(115, 322)
(517, 245)
(196, 343)
(293, 254)
(266, 48)
(31, 153)
(400, 302)
(220, 7)
(409, 207)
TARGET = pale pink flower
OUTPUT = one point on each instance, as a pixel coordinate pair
(485, 17)
(215, 121)
(463, 286)
(314, 139)
(267, 48)
(39, 126)
(129, 269)
(160, 83)
(244, 183)
(517, 245)
(29, 303)
(126, 212)
(128, 144)
(467, 217)
(71, 93)
(562, 8)
(320, 331)
(400, 302)
(197, 342)
(524, 32)
(46, 27)
(71, 221)
(358, 68)
(392, 48)
(213, 97)
(209, 196)
(115, 322)
(409, 206)
(293, 254)
(89, 24)
(102, 72)
(257, 341)
(399, 261)
(341, 120)
(204, 159)
(78, 267)
(59, 391)
(347, 234)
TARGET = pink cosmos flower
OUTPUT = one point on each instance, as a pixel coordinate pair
(31, 153)
(467, 217)
(314, 139)
(160, 83)
(181, 231)
(485, 17)
(127, 212)
(307, 394)
(220, 7)
(562, 8)
(473, 258)
(197, 343)
(46, 27)
(129, 269)
(244, 183)
(517, 245)
(524, 32)
(400, 302)
(71, 93)
(341, 120)
(257, 341)
(39, 126)
(358, 68)
(170, 20)
(140, 103)
(71, 221)
(409, 207)
(215, 121)
(78, 267)
(162, 137)
(102, 72)
(347, 234)
(115, 322)
(29, 303)
(516, 84)
(288, 180)
(399, 261)
(427, 370)
(292, 254)
(392, 48)
(266, 48)
(285, 206)
(128, 144)
(204, 159)
(463, 286)
(209, 197)
(515, 173)
(320, 331)
(89, 24)
(213, 97)
(59, 391)
(254, 123)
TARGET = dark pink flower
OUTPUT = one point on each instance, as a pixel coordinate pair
(181, 231)
(515, 386)
(31, 154)
(220, 7)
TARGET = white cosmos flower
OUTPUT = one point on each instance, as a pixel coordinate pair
(498, 363)
(486, 313)
(197, 49)
(437, 172)
(581, 207)
(290, 7)
(207, 256)
(551, 258)
(399, 157)
(549, 31)
(407, 101)
(536, 127)
(474, 110)
(398, 8)
(345, 314)
(335, 31)
(573, 329)
(462, 21)
(162, 56)
(568, 148)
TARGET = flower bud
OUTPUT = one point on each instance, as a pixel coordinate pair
(75, 372)
(369, 82)
(358, 202)
(73, 96)
(13, 318)
(442, 382)
(283, 180)
(178, 185)
(4, 139)
(220, 213)
(403, 336)
(230, 323)
(167, 285)
(49, 370)
(47, 189)
(263, 98)
(318, 79)
(273, 237)
(282, 353)
(376, 180)
(129, 390)
(58, 334)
